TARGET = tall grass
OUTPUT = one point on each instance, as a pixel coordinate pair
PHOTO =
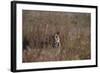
(40, 26)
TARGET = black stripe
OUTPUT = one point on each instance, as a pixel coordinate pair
(13, 36)
(55, 4)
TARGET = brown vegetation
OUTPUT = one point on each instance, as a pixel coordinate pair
(39, 28)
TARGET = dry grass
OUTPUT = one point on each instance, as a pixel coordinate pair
(39, 27)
